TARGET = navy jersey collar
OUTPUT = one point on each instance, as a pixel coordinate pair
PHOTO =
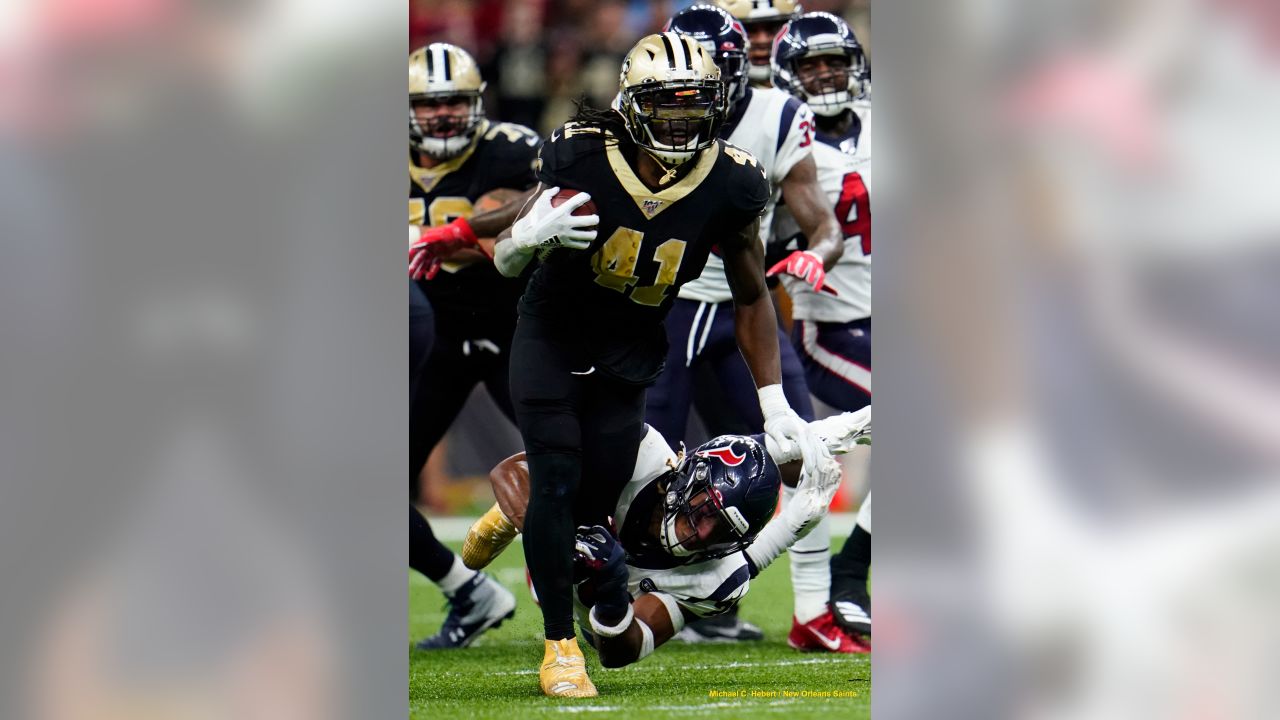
(847, 142)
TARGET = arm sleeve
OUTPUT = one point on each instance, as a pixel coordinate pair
(550, 160)
(749, 195)
(776, 537)
(795, 138)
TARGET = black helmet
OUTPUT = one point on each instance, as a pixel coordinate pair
(720, 498)
(724, 39)
(812, 35)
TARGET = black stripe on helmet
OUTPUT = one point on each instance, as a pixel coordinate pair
(671, 53)
(448, 69)
(685, 53)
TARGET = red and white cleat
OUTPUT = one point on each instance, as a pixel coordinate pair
(821, 634)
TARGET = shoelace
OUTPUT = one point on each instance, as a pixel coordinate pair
(457, 608)
(568, 661)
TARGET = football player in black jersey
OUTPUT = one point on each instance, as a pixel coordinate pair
(590, 335)
(455, 157)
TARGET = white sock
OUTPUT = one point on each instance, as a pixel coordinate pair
(810, 567)
(457, 576)
(864, 514)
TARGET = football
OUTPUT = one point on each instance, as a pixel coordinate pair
(588, 208)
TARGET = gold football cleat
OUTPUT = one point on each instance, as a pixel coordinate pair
(487, 538)
(564, 670)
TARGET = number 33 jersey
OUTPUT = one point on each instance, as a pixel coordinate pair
(649, 242)
(844, 165)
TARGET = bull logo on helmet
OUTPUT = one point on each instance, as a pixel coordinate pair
(725, 455)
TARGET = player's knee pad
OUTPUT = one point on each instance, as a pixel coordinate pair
(548, 432)
(673, 611)
(553, 476)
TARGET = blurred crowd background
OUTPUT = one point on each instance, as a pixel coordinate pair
(538, 56)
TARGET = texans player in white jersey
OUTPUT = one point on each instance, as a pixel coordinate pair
(688, 533)
(778, 130)
(818, 60)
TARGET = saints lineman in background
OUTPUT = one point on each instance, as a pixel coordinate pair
(778, 130)
(763, 20)
(818, 60)
(666, 191)
(455, 157)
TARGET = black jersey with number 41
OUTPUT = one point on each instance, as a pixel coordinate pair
(649, 242)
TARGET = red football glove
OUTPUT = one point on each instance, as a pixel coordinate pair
(436, 243)
(805, 265)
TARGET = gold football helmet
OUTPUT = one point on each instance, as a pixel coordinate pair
(758, 10)
(671, 97)
(441, 77)
(773, 13)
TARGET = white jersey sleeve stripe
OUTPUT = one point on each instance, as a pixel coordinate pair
(784, 126)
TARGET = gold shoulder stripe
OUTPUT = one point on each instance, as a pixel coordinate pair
(651, 203)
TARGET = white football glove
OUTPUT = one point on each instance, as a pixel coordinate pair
(799, 515)
(790, 433)
(842, 433)
(813, 496)
(546, 226)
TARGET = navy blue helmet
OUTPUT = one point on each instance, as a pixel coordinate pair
(836, 72)
(724, 39)
(721, 496)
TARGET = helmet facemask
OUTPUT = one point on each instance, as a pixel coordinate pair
(696, 520)
(829, 78)
(674, 121)
(445, 135)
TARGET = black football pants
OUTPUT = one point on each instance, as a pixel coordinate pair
(581, 433)
(452, 370)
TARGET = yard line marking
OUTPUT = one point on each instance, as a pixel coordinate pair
(700, 666)
(693, 708)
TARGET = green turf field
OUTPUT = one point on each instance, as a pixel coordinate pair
(497, 676)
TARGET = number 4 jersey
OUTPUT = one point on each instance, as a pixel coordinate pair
(616, 293)
(843, 170)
